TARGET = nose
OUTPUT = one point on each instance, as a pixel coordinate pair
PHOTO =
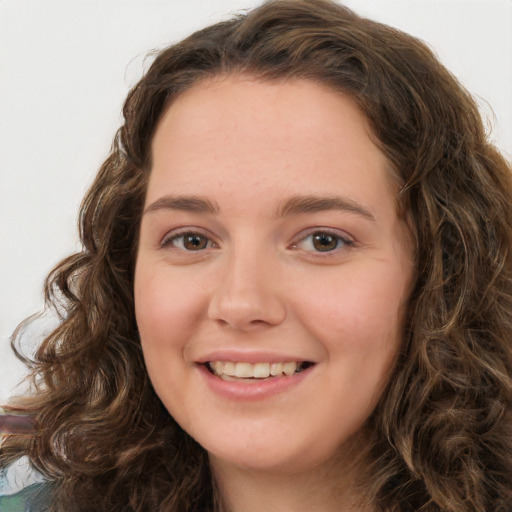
(248, 294)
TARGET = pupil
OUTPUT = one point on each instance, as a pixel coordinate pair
(195, 242)
(323, 242)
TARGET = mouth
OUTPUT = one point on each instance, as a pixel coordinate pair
(230, 371)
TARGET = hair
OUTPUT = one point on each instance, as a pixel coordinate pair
(440, 438)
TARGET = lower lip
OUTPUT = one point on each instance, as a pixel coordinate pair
(251, 389)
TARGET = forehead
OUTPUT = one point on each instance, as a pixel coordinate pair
(235, 99)
(244, 142)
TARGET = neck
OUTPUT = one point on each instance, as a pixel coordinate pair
(322, 489)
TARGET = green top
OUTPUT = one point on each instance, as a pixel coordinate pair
(34, 498)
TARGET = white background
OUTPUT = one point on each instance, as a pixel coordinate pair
(66, 66)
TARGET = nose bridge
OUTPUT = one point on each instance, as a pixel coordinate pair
(245, 294)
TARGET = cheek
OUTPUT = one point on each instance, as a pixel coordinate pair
(356, 311)
(167, 308)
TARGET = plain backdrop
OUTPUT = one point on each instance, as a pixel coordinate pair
(66, 66)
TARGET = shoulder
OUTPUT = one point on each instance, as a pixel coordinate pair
(34, 498)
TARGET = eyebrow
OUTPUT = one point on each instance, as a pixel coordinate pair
(309, 204)
(193, 204)
(292, 206)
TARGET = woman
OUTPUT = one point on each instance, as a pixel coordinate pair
(294, 291)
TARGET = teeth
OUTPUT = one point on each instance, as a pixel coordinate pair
(229, 368)
(276, 369)
(289, 368)
(243, 370)
(261, 370)
(217, 367)
(254, 371)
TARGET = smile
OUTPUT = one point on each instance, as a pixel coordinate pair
(228, 370)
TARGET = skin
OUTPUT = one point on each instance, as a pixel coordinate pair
(259, 287)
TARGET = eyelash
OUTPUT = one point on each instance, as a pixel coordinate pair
(171, 238)
(342, 242)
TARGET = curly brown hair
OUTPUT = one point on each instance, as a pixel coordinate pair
(441, 435)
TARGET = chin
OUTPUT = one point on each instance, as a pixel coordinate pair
(271, 457)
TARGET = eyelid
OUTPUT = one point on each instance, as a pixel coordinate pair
(343, 236)
(185, 230)
(346, 240)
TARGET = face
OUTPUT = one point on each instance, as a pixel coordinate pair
(272, 270)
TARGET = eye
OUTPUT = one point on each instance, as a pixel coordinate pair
(188, 241)
(323, 241)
